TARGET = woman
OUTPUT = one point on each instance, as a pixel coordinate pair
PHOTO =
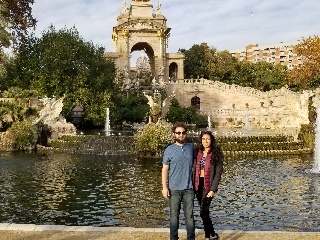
(208, 170)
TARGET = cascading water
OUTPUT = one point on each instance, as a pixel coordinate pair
(316, 164)
(107, 128)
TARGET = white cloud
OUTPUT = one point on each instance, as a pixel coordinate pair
(224, 24)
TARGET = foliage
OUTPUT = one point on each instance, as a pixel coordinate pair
(22, 135)
(61, 62)
(4, 58)
(16, 92)
(263, 76)
(188, 115)
(14, 110)
(15, 20)
(129, 107)
(199, 61)
(206, 62)
(152, 139)
(307, 135)
(225, 67)
(306, 76)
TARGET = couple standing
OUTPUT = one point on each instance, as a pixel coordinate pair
(187, 172)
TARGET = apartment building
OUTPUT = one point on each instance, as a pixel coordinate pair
(282, 53)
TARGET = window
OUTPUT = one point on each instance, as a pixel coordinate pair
(195, 102)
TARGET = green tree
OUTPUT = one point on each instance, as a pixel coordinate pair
(188, 115)
(61, 62)
(263, 76)
(267, 76)
(244, 74)
(224, 70)
(130, 108)
(200, 61)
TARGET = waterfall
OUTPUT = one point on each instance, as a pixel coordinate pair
(107, 128)
(316, 164)
(209, 122)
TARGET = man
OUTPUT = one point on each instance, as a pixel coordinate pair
(177, 185)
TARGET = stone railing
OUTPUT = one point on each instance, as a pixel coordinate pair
(281, 108)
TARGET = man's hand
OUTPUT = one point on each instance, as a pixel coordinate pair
(165, 193)
(165, 171)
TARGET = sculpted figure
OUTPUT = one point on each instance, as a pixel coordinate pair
(166, 104)
(161, 70)
(158, 9)
(150, 100)
(162, 84)
(124, 7)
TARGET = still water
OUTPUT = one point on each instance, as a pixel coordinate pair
(275, 193)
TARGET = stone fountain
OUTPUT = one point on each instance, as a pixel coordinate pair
(50, 116)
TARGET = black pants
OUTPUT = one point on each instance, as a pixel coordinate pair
(204, 203)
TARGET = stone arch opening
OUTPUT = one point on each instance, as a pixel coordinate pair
(144, 68)
(195, 102)
(173, 71)
(144, 46)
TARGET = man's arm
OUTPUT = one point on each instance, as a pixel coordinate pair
(165, 174)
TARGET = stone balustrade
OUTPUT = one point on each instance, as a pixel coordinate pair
(281, 108)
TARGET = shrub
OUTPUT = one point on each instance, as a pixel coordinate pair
(307, 135)
(22, 135)
(153, 138)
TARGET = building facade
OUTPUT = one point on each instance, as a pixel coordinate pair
(141, 27)
(282, 53)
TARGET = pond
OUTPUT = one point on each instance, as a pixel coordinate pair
(274, 193)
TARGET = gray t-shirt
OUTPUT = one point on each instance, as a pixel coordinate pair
(180, 161)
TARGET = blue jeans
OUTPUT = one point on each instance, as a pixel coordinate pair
(186, 197)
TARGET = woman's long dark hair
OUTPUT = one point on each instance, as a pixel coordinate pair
(217, 153)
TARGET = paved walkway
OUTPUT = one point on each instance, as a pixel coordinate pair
(53, 232)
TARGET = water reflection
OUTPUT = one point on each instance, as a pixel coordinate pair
(71, 189)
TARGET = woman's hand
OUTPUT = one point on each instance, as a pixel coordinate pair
(210, 194)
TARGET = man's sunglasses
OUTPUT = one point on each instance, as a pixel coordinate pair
(183, 133)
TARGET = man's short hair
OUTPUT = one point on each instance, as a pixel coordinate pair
(179, 124)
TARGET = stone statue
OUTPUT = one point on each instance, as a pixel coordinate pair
(158, 9)
(127, 84)
(50, 115)
(51, 110)
(143, 53)
(125, 70)
(154, 83)
(124, 7)
(162, 84)
(150, 100)
(166, 105)
(161, 70)
(154, 114)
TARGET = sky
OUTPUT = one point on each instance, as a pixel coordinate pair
(222, 24)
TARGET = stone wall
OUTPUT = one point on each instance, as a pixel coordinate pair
(234, 106)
